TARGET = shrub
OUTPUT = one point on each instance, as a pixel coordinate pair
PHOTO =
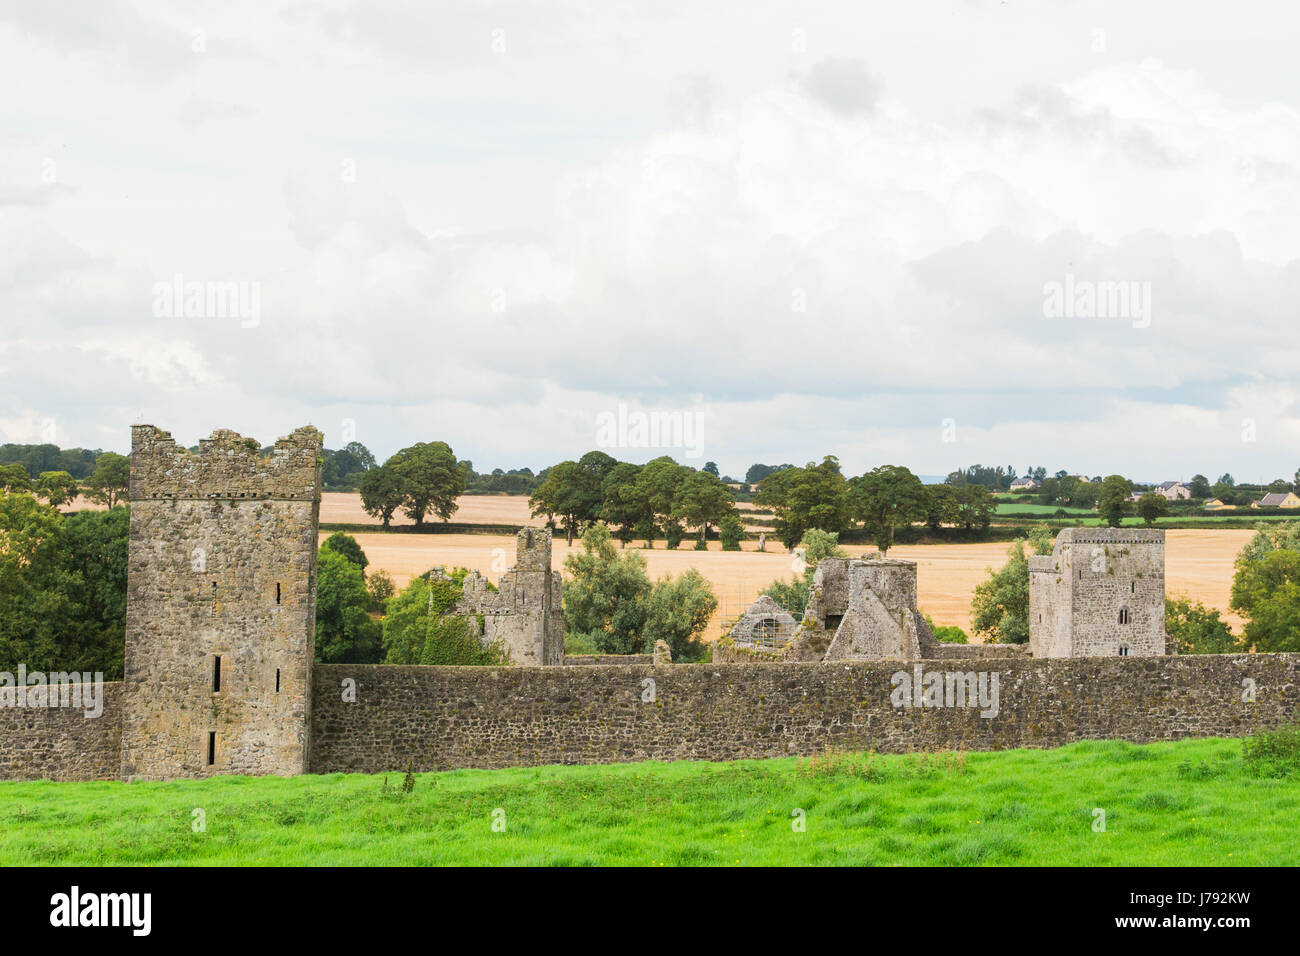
(1273, 753)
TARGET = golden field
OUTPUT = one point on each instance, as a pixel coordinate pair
(1198, 562)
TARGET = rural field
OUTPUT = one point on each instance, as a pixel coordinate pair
(1198, 561)
(1189, 803)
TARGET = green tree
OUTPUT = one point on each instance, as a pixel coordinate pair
(345, 632)
(605, 593)
(421, 628)
(815, 496)
(109, 482)
(345, 545)
(1113, 501)
(58, 488)
(431, 480)
(1152, 506)
(677, 611)
(1196, 629)
(1267, 591)
(885, 499)
(620, 505)
(703, 501)
(34, 603)
(731, 531)
(1000, 608)
(940, 506)
(381, 587)
(1199, 486)
(381, 492)
(975, 506)
(14, 478)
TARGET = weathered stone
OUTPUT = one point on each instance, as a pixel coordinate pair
(221, 605)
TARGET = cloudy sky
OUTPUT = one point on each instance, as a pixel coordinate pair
(800, 229)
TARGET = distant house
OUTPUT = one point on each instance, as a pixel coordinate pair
(1216, 504)
(1278, 499)
(1173, 490)
(1024, 484)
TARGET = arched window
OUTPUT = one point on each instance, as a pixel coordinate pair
(1123, 615)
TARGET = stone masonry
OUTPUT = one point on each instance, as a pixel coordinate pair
(525, 615)
(1100, 593)
(221, 605)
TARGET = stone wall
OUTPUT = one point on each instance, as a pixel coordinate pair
(448, 717)
(61, 743)
(525, 615)
(221, 593)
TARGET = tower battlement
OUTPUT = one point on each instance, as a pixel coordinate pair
(227, 465)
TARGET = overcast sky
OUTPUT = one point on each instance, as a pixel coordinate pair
(804, 229)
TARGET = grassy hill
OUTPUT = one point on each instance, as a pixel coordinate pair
(1189, 803)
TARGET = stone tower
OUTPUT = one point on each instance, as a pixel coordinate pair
(525, 615)
(1100, 593)
(221, 605)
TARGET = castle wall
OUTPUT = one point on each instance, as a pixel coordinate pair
(525, 615)
(448, 717)
(61, 743)
(222, 564)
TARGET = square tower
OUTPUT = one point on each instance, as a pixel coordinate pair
(525, 615)
(1100, 593)
(221, 605)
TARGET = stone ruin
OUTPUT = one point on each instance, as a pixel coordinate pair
(525, 615)
(858, 609)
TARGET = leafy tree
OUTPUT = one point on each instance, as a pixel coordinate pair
(815, 496)
(34, 603)
(58, 488)
(659, 489)
(431, 480)
(677, 611)
(887, 498)
(731, 531)
(1113, 502)
(1197, 629)
(703, 501)
(974, 506)
(1199, 486)
(940, 506)
(109, 482)
(1267, 591)
(345, 633)
(1000, 608)
(381, 587)
(621, 507)
(420, 627)
(381, 493)
(342, 470)
(605, 593)
(574, 491)
(711, 468)
(1152, 506)
(1227, 479)
(757, 473)
(14, 478)
(345, 545)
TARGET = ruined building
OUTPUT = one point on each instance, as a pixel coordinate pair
(221, 605)
(525, 615)
(860, 609)
(1100, 593)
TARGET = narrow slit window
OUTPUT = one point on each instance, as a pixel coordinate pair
(277, 680)
(277, 592)
(212, 747)
(216, 674)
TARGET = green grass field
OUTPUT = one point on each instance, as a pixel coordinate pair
(1187, 803)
